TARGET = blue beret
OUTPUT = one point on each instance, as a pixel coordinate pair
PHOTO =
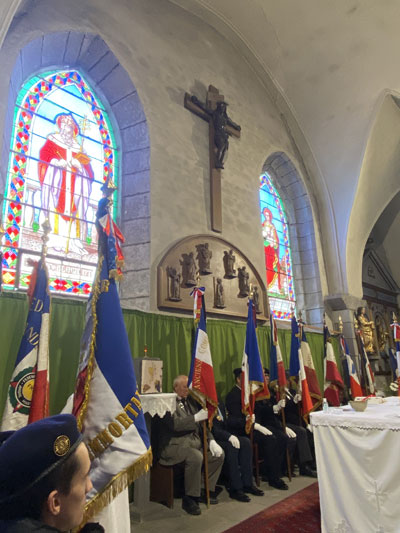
(32, 452)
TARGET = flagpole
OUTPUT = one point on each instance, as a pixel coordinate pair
(288, 462)
(205, 440)
(205, 459)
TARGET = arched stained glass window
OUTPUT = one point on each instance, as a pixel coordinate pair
(62, 151)
(278, 261)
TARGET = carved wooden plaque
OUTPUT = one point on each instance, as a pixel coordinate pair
(225, 272)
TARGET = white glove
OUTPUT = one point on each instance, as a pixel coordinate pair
(297, 398)
(215, 449)
(394, 386)
(252, 418)
(276, 408)
(309, 427)
(290, 433)
(201, 415)
(262, 429)
(234, 441)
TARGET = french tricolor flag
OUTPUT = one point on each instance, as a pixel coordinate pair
(333, 379)
(297, 370)
(276, 367)
(28, 394)
(201, 380)
(355, 386)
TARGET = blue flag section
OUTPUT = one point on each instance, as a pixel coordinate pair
(256, 373)
(106, 400)
(273, 359)
(294, 365)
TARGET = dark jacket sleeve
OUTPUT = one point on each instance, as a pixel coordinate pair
(236, 420)
(219, 428)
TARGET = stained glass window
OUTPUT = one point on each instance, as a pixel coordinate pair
(62, 151)
(278, 261)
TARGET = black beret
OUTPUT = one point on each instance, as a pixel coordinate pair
(266, 370)
(237, 372)
(32, 452)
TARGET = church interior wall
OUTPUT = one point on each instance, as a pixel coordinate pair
(167, 51)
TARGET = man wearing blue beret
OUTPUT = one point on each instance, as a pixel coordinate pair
(44, 477)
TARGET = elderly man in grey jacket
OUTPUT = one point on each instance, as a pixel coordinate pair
(182, 442)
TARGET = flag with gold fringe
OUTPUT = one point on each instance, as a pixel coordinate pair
(106, 399)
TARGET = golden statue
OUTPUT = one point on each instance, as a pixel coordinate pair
(366, 327)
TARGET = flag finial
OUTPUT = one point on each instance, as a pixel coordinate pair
(340, 324)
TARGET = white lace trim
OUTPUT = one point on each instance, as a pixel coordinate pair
(158, 404)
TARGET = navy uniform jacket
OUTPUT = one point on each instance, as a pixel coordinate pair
(236, 420)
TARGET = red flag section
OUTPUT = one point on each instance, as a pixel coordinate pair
(333, 379)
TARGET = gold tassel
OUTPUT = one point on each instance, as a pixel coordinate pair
(119, 483)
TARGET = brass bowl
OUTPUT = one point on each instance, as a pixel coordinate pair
(359, 406)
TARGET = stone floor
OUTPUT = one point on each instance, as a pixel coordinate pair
(216, 519)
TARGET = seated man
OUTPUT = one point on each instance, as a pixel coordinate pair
(305, 443)
(44, 477)
(267, 413)
(182, 442)
(267, 442)
(238, 459)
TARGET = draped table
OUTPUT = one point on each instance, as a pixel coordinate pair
(152, 404)
(358, 468)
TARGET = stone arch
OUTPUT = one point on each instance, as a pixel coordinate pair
(289, 185)
(90, 55)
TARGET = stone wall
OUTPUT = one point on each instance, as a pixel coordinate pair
(144, 57)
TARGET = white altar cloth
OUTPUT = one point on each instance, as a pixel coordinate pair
(158, 404)
(358, 468)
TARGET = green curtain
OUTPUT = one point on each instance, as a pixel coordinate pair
(167, 337)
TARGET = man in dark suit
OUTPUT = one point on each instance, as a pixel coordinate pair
(267, 442)
(267, 413)
(238, 463)
(181, 442)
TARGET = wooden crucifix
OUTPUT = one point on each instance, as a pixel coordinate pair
(220, 127)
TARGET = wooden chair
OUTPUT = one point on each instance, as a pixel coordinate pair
(165, 482)
(256, 463)
(162, 484)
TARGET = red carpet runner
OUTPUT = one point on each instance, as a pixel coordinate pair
(297, 513)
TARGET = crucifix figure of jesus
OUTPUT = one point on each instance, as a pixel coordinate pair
(220, 128)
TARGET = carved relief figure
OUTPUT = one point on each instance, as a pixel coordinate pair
(188, 270)
(219, 294)
(256, 300)
(366, 327)
(174, 288)
(243, 278)
(381, 333)
(229, 263)
(204, 255)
